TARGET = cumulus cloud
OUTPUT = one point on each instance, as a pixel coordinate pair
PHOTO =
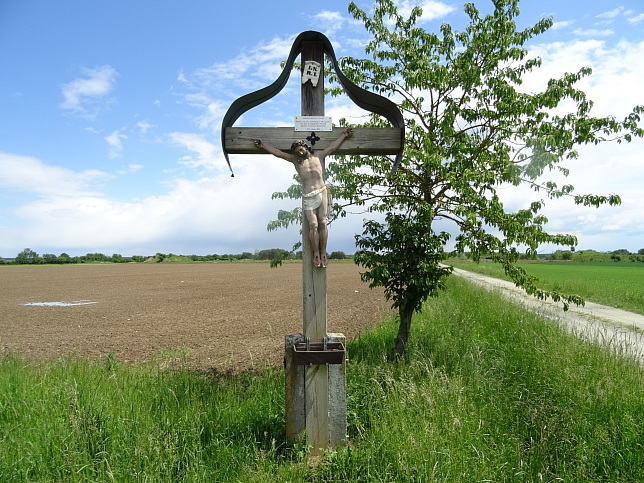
(431, 9)
(209, 215)
(245, 72)
(82, 92)
(562, 24)
(593, 32)
(609, 168)
(115, 143)
(144, 126)
(30, 175)
(207, 154)
(636, 19)
(611, 14)
(330, 22)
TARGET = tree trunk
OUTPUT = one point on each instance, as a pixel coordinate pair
(403, 334)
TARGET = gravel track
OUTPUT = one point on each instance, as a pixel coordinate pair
(616, 329)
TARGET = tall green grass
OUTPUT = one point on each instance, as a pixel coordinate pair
(619, 285)
(487, 392)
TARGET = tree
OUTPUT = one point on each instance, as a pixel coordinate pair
(272, 254)
(28, 256)
(469, 130)
(49, 258)
(403, 256)
(621, 251)
(337, 255)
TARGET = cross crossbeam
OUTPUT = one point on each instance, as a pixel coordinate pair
(367, 141)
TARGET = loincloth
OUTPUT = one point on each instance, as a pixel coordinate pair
(311, 201)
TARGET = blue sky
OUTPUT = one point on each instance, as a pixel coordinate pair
(110, 115)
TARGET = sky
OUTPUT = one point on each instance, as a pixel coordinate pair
(110, 116)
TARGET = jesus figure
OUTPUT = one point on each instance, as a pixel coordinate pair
(309, 165)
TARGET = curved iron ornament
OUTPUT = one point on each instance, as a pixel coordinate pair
(365, 99)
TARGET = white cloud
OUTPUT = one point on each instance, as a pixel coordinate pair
(593, 32)
(83, 91)
(209, 215)
(30, 175)
(115, 143)
(144, 126)
(329, 22)
(212, 116)
(246, 72)
(611, 14)
(208, 155)
(609, 168)
(636, 19)
(562, 24)
(431, 9)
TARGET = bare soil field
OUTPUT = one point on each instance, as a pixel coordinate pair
(224, 316)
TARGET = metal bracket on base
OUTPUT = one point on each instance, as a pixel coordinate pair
(306, 353)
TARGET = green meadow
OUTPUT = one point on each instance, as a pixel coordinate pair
(486, 392)
(619, 285)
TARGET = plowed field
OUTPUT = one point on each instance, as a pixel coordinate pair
(221, 316)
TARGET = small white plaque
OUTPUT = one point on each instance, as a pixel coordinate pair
(313, 123)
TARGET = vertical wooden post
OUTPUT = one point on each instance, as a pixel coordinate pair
(316, 378)
(315, 394)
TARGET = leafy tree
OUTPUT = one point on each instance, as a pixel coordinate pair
(621, 251)
(49, 258)
(64, 258)
(118, 258)
(337, 255)
(28, 256)
(400, 255)
(640, 251)
(470, 130)
(272, 254)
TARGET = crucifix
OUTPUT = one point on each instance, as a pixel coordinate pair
(309, 165)
(315, 361)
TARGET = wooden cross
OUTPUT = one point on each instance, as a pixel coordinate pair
(316, 394)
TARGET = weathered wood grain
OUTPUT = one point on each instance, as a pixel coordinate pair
(368, 141)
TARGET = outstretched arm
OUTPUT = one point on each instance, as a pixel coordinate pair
(347, 133)
(274, 151)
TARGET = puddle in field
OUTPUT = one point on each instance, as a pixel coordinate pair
(60, 304)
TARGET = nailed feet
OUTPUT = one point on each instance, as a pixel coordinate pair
(320, 262)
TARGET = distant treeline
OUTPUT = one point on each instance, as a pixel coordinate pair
(621, 255)
(30, 257)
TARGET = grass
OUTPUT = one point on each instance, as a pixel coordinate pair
(487, 392)
(619, 285)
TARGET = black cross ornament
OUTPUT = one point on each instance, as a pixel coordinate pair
(312, 138)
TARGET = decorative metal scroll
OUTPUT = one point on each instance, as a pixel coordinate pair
(365, 99)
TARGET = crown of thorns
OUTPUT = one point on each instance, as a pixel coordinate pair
(300, 143)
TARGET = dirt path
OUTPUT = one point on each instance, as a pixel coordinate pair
(618, 329)
(222, 316)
